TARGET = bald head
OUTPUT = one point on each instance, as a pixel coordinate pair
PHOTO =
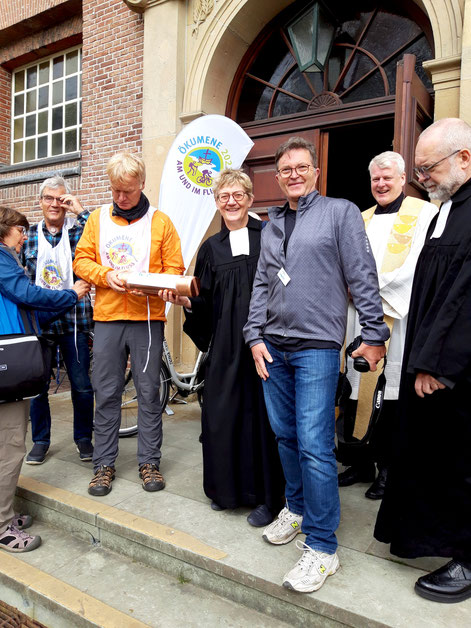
(444, 151)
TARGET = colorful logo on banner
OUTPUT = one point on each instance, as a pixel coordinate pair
(199, 165)
(200, 152)
(120, 254)
(51, 276)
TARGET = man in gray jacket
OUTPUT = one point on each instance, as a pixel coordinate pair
(313, 250)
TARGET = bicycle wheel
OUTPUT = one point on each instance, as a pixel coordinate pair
(129, 400)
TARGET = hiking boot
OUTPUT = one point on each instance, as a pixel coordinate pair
(152, 479)
(101, 481)
(14, 540)
(311, 570)
(84, 449)
(285, 527)
(37, 454)
(21, 521)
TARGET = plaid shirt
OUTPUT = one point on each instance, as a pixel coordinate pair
(64, 324)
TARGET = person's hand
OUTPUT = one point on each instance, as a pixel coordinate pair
(260, 354)
(371, 354)
(71, 202)
(170, 297)
(81, 287)
(114, 282)
(426, 384)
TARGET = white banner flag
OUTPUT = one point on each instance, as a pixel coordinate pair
(199, 153)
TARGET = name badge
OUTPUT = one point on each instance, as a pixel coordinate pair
(284, 277)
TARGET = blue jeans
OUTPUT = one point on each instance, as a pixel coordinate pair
(81, 391)
(300, 399)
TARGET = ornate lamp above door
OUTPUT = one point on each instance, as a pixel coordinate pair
(312, 34)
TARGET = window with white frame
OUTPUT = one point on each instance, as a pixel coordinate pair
(47, 107)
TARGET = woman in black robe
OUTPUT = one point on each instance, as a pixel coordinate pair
(240, 456)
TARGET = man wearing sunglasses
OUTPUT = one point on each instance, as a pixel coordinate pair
(313, 249)
(426, 509)
(48, 256)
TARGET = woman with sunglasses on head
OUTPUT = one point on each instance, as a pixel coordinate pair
(240, 457)
(16, 291)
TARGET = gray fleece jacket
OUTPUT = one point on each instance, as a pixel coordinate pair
(328, 252)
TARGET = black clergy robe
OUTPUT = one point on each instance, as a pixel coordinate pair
(240, 456)
(426, 510)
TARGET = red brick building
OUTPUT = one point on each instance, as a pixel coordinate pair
(70, 94)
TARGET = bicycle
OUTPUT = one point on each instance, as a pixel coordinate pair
(184, 384)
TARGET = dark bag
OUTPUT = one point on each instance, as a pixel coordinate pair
(25, 364)
(344, 390)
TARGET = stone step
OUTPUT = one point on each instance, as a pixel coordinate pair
(366, 592)
(68, 582)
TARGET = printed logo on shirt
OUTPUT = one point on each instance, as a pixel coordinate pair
(51, 276)
(121, 253)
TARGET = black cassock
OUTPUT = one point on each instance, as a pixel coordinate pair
(240, 456)
(426, 510)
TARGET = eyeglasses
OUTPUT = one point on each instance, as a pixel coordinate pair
(300, 170)
(237, 196)
(22, 230)
(50, 199)
(423, 171)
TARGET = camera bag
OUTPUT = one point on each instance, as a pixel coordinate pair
(25, 363)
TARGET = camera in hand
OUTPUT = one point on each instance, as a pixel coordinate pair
(359, 364)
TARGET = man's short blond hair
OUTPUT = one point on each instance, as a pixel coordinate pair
(125, 164)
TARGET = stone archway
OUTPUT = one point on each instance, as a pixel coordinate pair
(226, 34)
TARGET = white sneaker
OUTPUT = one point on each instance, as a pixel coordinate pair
(311, 570)
(285, 527)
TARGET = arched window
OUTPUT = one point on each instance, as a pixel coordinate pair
(369, 41)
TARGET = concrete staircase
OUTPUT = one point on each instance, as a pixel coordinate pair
(166, 559)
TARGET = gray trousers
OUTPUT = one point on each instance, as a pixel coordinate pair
(13, 422)
(112, 343)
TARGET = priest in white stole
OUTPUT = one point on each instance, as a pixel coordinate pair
(396, 228)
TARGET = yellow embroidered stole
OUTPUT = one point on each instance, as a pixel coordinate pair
(397, 250)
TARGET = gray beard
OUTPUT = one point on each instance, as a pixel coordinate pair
(444, 191)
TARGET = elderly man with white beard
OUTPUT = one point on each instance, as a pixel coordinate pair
(426, 510)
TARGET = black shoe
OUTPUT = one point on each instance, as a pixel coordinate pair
(352, 475)
(84, 449)
(216, 506)
(260, 516)
(376, 490)
(101, 481)
(38, 453)
(450, 583)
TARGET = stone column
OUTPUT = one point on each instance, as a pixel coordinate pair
(465, 92)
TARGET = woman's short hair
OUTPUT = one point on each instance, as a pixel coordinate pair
(54, 183)
(231, 176)
(11, 218)
(125, 164)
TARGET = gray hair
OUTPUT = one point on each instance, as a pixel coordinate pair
(453, 133)
(230, 176)
(386, 159)
(54, 183)
(295, 143)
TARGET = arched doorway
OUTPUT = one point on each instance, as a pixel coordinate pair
(353, 109)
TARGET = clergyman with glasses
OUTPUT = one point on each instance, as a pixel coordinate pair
(427, 502)
(313, 249)
(240, 458)
(48, 255)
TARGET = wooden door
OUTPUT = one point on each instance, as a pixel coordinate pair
(413, 113)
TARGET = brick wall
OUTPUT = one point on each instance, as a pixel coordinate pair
(112, 38)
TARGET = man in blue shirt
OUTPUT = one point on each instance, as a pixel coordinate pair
(48, 255)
